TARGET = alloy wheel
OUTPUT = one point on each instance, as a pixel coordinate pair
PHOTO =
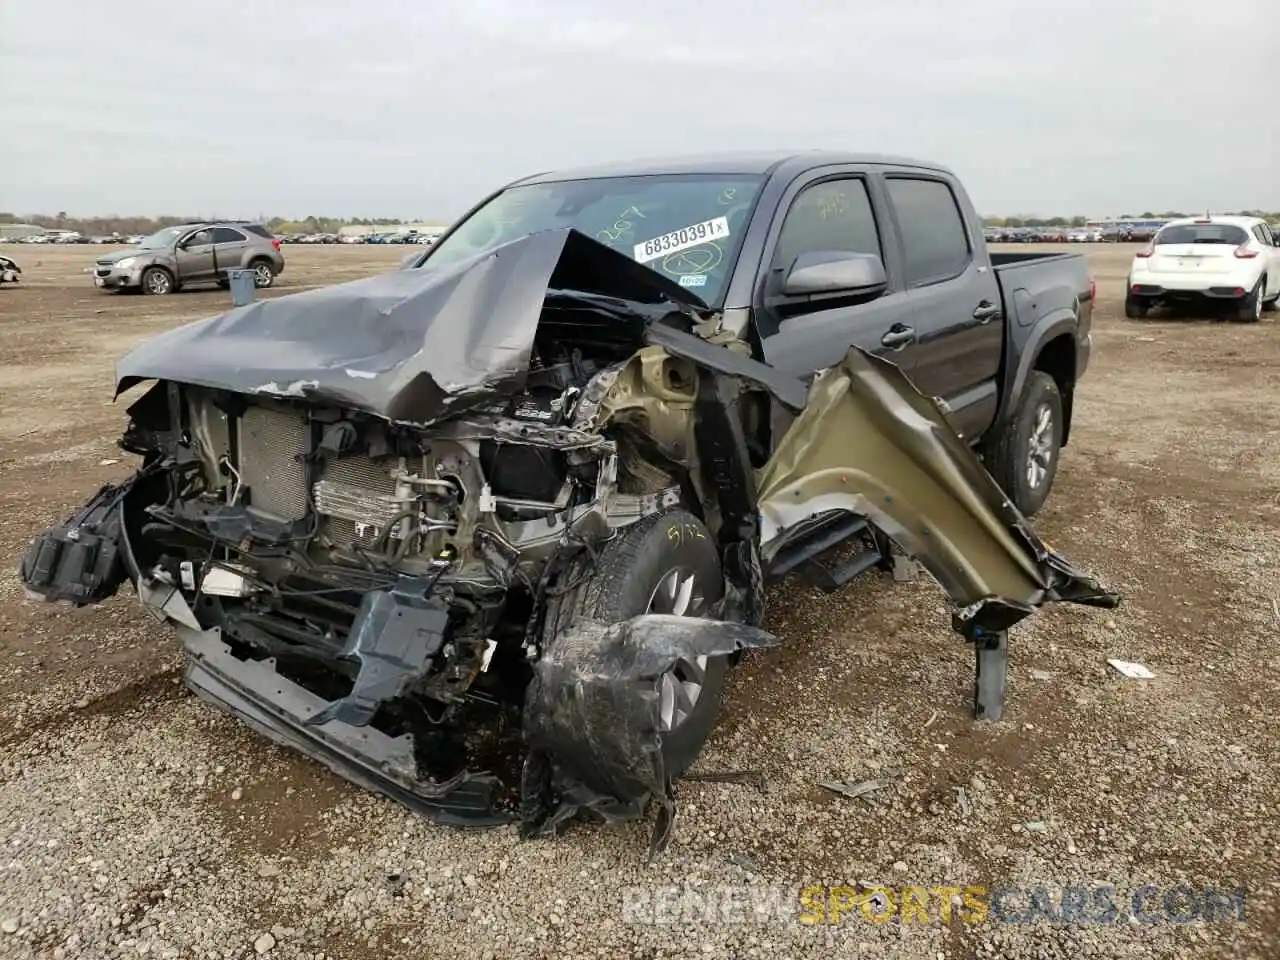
(681, 687)
(1040, 447)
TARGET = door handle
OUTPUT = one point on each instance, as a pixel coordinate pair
(898, 337)
(986, 311)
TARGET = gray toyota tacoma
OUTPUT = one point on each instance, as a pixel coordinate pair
(488, 533)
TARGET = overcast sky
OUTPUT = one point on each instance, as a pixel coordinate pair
(411, 108)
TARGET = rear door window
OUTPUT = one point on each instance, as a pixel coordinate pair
(227, 235)
(934, 239)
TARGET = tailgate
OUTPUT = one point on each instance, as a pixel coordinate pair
(1193, 258)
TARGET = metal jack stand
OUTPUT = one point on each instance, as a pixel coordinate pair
(991, 673)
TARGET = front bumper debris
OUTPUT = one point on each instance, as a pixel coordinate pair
(291, 715)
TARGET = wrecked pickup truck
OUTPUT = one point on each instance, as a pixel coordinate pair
(487, 535)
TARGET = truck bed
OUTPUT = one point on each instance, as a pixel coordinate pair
(1007, 260)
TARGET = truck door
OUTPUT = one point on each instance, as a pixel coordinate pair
(953, 297)
(827, 212)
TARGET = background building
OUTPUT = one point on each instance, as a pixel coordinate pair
(16, 231)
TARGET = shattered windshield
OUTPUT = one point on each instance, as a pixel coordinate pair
(688, 227)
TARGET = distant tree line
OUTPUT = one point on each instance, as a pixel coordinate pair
(105, 226)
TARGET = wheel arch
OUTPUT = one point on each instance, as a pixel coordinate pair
(1051, 348)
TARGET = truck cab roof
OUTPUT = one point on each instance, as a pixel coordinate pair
(759, 163)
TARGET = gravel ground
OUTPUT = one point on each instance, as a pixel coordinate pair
(136, 821)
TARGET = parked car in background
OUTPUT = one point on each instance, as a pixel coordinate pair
(1232, 260)
(192, 253)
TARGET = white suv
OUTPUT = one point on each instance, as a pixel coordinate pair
(1207, 258)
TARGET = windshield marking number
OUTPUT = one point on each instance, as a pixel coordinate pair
(682, 239)
(621, 227)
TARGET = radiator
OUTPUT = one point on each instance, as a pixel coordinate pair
(273, 444)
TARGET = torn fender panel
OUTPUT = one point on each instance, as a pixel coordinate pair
(591, 716)
(410, 345)
(868, 442)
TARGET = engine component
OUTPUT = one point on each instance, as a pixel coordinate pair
(359, 490)
(522, 471)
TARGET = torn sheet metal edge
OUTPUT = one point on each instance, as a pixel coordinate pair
(278, 708)
(591, 716)
(937, 501)
(395, 634)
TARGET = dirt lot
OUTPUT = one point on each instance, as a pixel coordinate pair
(136, 821)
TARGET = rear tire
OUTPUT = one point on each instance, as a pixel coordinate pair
(1023, 458)
(263, 274)
(1269, 305)
(1251, 306)
(1135, 308)
(629, 571)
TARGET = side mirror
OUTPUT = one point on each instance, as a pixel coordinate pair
(835, 271)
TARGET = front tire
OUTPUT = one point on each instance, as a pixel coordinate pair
(1023, 458)
(668, 563)
(1250, 309)
(157, 281)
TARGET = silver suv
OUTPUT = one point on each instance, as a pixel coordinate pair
(192, 253)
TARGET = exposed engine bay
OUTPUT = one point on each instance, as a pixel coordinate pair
(384, 554)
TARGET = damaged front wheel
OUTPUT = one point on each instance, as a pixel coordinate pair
(667, 564)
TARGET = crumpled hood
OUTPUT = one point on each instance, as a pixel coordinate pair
(409, 345)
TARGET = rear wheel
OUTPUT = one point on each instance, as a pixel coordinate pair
(1135, 308)
(263, 275)
(1251, 306)
(665, 564)
(1023, 458)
